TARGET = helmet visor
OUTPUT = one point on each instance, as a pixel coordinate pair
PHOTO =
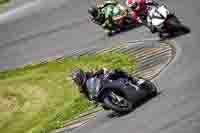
(134, 5)
(79, 78)
(77, 81)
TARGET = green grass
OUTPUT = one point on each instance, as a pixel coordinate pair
(4, 1)
(39, 98)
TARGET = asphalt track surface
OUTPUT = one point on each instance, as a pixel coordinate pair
(51, 28)
(12, 4)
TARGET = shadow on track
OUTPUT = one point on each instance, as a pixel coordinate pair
(125, 29)
(183, 31)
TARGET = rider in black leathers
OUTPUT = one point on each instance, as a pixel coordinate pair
(80, 77)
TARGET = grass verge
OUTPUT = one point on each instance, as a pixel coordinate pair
(4, 2)
(39, 98)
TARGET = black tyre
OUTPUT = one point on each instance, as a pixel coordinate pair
(174, 23)
(123, 107)
(150, 87)
(161, 35)
(105, 107)
(177, 27)
(154, 90)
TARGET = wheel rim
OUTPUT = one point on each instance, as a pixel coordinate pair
(119, 100)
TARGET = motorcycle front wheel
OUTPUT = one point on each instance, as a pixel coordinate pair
(117, 103)
(150, 87)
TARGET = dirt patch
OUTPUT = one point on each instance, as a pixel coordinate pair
(8, 104)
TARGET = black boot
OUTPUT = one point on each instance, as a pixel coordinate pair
(153, 29)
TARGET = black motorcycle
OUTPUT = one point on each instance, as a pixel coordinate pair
(120, 95)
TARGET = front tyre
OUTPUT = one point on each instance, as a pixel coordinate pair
(117, 103)
(153, 29)
(150, 87)
(154, 90)
(105, 107)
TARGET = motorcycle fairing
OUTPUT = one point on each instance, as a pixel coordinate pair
(157, 15)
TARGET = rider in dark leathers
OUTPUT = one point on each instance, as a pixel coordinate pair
(80, 77)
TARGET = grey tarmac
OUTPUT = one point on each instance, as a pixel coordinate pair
(56, 28)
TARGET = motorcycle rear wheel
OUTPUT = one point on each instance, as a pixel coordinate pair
(173, 24)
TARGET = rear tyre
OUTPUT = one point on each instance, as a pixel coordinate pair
(177, 26)
(185, 29)
(173, 24)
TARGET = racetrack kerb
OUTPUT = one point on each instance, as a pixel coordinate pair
(34, 85)
(151, 61)
(30, 87)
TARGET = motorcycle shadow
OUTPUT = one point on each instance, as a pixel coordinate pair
(185, 30)
(125, 29)
(137, 105)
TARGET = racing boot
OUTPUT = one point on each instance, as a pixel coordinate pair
(108, 27)
(152, 29)
(109, 32)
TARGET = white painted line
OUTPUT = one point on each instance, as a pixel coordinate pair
(76, 125)
(142, 40)
(134, 43)
(19, 11)
(34, 6)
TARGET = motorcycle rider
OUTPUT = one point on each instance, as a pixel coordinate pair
(114, 15)
(97, 15)
(139, 10)
(80, 77)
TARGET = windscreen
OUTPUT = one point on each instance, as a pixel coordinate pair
(93, 85)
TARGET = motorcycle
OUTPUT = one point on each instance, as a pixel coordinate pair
(100, 19)
(161, 20)
(120, 95)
